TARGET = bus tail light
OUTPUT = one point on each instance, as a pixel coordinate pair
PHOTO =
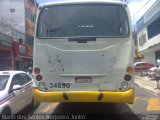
(127, 77)
(36, 70)
(39, 77)
(129, 70)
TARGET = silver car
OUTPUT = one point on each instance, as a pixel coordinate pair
(15, 91)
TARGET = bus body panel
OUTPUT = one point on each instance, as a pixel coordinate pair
(101, 61)
(71, 69)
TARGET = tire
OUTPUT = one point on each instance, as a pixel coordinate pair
(6, 111)
(34, 105)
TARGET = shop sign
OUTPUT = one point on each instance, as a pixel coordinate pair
(20, 50)
(6, 44)
(5, 40)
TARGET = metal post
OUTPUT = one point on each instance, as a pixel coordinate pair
(158, 86)
(141, 73)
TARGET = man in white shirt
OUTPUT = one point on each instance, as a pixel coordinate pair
(158, 62)
(30, 72)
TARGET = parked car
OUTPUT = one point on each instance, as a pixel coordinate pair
(15, 91)
(142, 66)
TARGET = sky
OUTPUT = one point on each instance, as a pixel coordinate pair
(137, 7)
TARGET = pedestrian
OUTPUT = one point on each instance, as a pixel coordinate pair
(158, 62)
(30, 72)
(158, 77)
(157, 80)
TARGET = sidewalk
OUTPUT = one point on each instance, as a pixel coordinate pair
(147, 83)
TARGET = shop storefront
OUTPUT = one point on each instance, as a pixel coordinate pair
(6, 53)
(22, 56)
(148, 34)
(152, 53)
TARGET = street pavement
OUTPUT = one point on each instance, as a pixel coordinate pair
(147, 83)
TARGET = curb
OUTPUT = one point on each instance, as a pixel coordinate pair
(142, 85)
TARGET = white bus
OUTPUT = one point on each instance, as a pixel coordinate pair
(83, 52)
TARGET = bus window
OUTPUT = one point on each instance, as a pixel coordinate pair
(83, 20)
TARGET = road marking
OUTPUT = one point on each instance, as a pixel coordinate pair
(49, 107)
(154, 104)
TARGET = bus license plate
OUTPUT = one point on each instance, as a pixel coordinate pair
(83, 79)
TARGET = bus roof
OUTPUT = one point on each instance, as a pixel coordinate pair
(82, 2)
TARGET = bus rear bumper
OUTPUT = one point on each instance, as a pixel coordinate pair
(85, 96)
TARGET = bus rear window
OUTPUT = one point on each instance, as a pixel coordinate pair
(98, 20)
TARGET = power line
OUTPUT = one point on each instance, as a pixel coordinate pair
(133, 16)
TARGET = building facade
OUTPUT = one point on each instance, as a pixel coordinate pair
(30, 18)
(6, 52)
(17, 19)
(148, 34)
(12, 14)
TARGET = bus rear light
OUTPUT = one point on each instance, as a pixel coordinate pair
(36, 70)
(39, 77)
(129, 70)
(127, 77)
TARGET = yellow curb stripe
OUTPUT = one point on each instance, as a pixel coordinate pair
(49, 107)
(154, 104)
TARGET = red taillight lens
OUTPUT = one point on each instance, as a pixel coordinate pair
(36, 70)
(39, 77)
(127, 77)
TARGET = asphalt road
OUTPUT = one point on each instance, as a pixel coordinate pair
(146, 106)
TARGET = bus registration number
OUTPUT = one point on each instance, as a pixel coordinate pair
(59, 85)
(83, 79)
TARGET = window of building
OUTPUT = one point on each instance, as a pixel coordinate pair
(12, 10)
(154, 28)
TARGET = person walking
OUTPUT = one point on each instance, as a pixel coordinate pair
(158, 73)
(158, 62)
(30, 72)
